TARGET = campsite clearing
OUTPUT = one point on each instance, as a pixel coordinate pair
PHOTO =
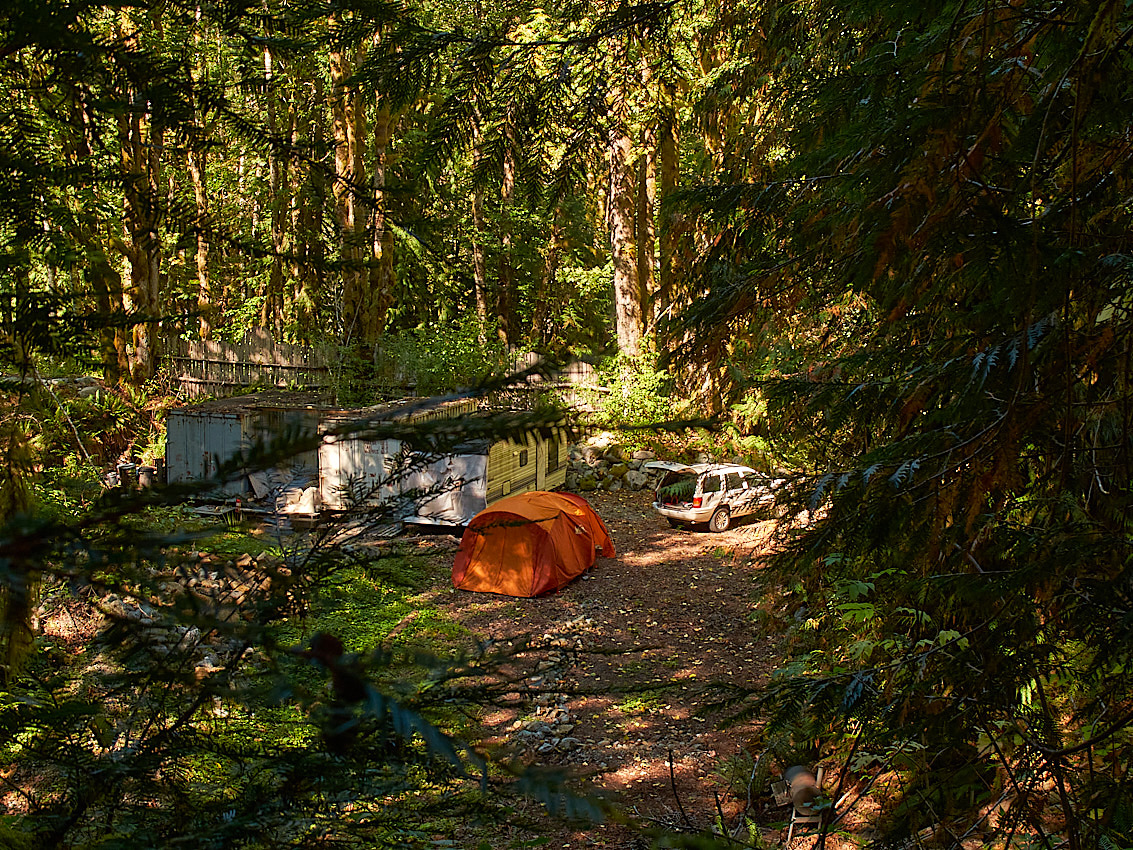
(674, 610)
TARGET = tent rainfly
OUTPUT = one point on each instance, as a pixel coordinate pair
(530, 544)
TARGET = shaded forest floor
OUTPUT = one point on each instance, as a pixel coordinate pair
(624, 706)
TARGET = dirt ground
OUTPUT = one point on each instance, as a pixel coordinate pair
(674, 608)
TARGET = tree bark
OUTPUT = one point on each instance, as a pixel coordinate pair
(505, 284)
(620, 215)
(540, 320)
(271, 311)
(479, 234)
(141, 143)
(645, 228)
(348, 115)
(196, 162)
(668, 155)
(382, 281)
(309, 248)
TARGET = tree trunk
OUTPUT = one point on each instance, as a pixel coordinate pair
(540, 321)
(620, 213)
(271, 311)
(644, 230)
(349, 171)
(104, 280)
(479, 234)
(505, 285)
(381, 235)
(141, 149)
(668, 154)
(195, 160)
(141, 164)
(309, 247)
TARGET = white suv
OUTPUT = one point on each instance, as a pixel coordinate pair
(712, 493)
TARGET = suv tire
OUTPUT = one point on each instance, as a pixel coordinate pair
(720, 521)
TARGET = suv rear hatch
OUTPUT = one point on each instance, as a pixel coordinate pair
(677, 485)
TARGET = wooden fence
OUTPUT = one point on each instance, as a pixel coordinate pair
(208, 367)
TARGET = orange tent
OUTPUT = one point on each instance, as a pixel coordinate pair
(529, 544)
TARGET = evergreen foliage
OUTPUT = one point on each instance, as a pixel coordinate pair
(952, 211)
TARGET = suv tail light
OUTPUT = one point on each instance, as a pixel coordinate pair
(697, 501)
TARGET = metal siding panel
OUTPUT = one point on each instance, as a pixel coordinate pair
(177, 441)
(225, 439)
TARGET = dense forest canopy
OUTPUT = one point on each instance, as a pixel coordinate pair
(886, 243)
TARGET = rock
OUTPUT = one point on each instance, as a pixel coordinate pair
(570, 744)
(644, 454)
(618, 470)
(636, 480)
(588, 483)
(245, 561)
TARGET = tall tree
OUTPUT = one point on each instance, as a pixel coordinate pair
(141, 138)
(622, 205)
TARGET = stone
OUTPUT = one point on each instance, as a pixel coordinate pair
(644, 454)
(636, 480)
(618, 470)
(587, 483)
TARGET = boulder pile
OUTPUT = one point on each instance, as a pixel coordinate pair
(601, 465)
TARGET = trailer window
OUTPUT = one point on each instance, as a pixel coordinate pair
(523, 457)
(552, 455)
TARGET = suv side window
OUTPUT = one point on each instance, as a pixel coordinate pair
(711, 484)
(734, 481)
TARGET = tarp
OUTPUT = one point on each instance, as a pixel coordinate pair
(530, 544)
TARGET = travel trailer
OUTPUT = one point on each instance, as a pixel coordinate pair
(355, 459)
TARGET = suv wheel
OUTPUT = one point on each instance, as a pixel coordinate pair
(720, 520)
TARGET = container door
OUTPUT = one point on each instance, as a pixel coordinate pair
(223, 440)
